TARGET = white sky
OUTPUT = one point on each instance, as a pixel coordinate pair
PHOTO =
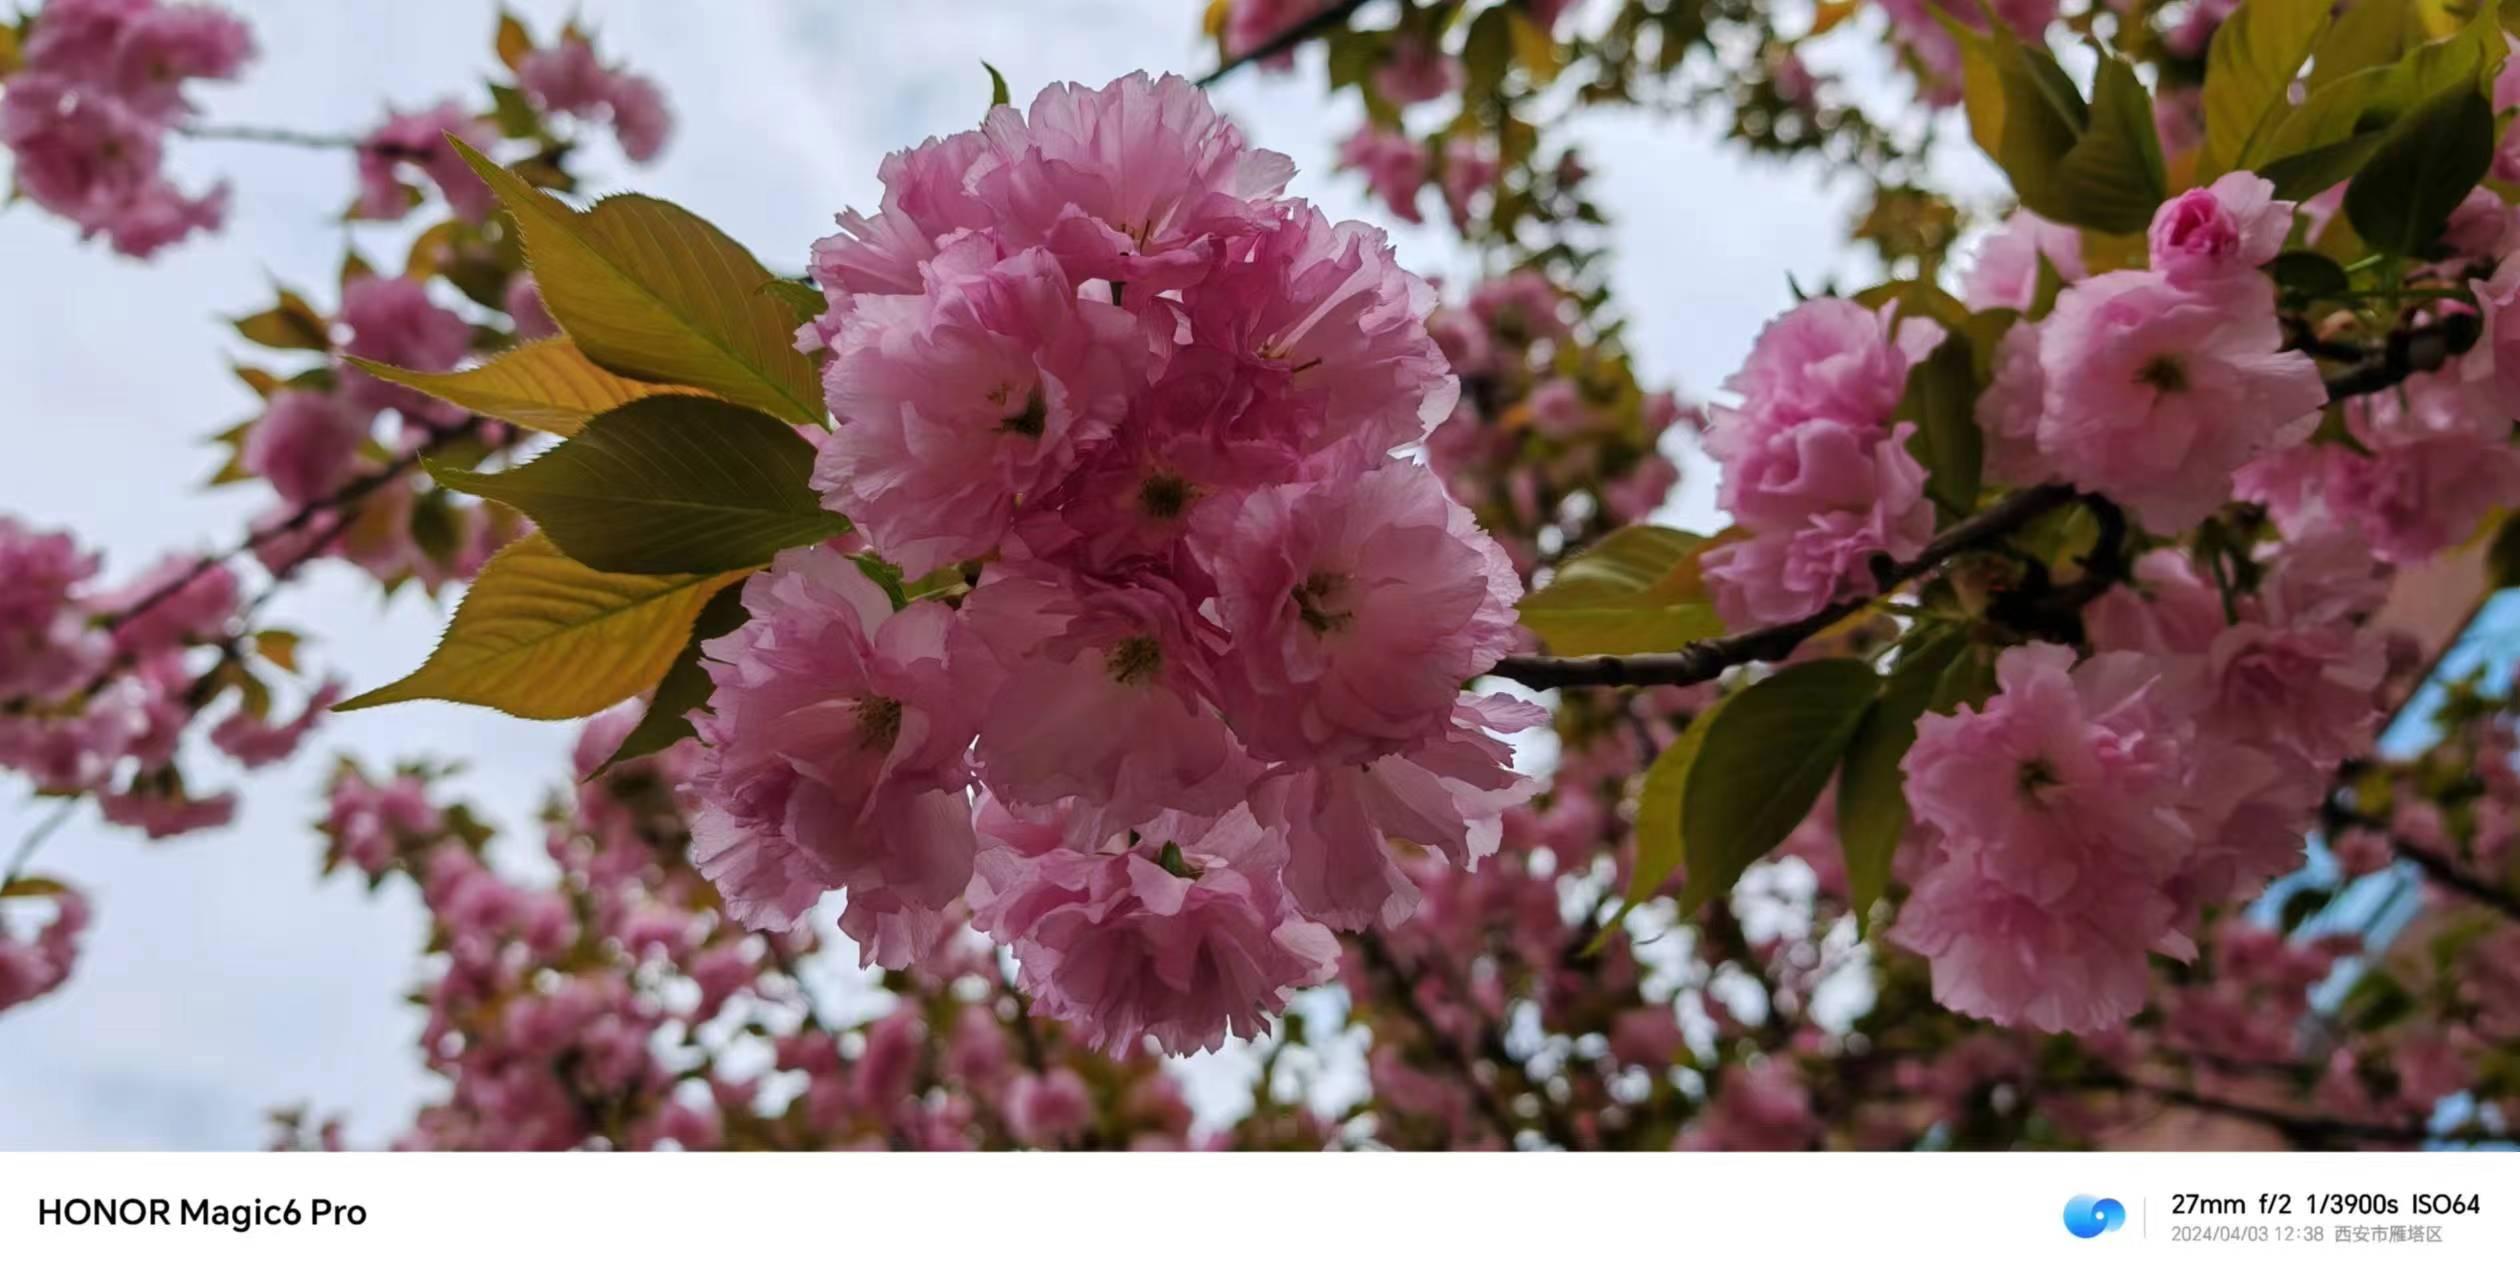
(220, 979)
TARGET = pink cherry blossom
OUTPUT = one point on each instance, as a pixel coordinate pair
(94, 160)
(2157, 393)
(1821, 501)
(837, 745)
(306, 444)
(1358, 607)
(256, 741)
(392, 320)
(175, 601)
(2058, 811)
(46, 646)
(1416, 70)
(2215, 231)
(1107, 696)
(1827, 358)
(1047, 1110)
(959, 404)
(1330, 309)
(1447, 797)
(33, 967)
(1250, 24)
(418, 139)
(1131, 181)
(1395, 167)
(2006, 273)
(1125, 946)
(165, 45)
(567, 79)
(1470, 168)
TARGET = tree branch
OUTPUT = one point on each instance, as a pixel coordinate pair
(1286, 41)
(1699, 662)
(2407, 352)
(266, 133)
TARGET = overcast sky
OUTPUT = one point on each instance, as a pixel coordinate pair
(220, 979)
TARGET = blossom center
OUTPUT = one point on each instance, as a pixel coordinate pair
(1164, 495)
(2036, 776)
(1315, 602)
(1173, 862)
(1135, 660)
(1033, 420)
(879, 722)
(2165, 372)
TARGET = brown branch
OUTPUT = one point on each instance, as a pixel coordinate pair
(347, 495)
(2296, 1128)
(2406, 353)
(1702, 661)
(1286, 41)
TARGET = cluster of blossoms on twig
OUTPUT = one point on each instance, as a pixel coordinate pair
(87, 115)
(610, 1003)
(1210, 658)
(101, 686)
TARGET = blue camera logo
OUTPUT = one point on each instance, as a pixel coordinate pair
(2086, 1217)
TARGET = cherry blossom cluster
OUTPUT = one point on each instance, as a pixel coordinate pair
(1211, 667)
(1552, 443)
(88, 115)
(607, 1002)
(568, 79)
(99, 684)
(2090, 811)
(33, 966)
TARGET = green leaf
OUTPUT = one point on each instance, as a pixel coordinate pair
(668, 484)
(1872, 808)
(1635, 591)
(2112, 180)
(1941, 399)
(2097, 165)
(803, 300)
(2368, 33)
(542, 636)
(2345, 120)
(1660, 850)
(2430, 160)
(291, 324)
(686, 685)
(515, 116)
(2305, 274)
(652, 292)
(1767, 756)
(1486, 54)
(2249, 69)
(545, 386)
(997, 86)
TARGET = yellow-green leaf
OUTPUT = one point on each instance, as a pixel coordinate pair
(278, 648)
(652, 292)
(291, 324)
(546, 386)
(1635, 591)
(1660, 850)
(513, 42)
(2249, 69)
(542, 636)
(671, 484)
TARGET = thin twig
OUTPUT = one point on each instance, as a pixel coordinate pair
(25, 855)
(1286, 41)
(1702, 661)
(2407, 352)
(268, 133)
(347, 495)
